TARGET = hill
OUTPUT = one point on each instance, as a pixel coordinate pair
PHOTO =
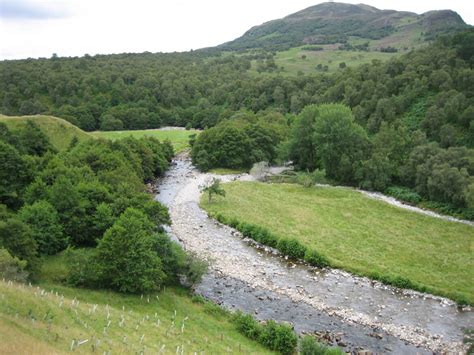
(339, 23)
(53, 319)
(179, 138)
(60, 132)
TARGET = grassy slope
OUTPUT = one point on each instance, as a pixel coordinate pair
(358, 233)
(59, 131)
(292, 62)
(179, 138)
(36, 321)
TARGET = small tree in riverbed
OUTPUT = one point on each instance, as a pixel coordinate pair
(214, 189)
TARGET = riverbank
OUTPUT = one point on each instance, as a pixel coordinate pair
(403, 321)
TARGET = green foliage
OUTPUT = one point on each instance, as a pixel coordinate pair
(247, 325)
(239, 142)
(403, 194)
(315, 258)
(12, 268)
(278, 337)
(292, 248)
(82, 268)
(309, 346)
(45, 226)
(33, 140)
(15, 174)
(340, 142)
(126, 256)
(214, 189)
(17, 238)
(60, 133)
(329, 222)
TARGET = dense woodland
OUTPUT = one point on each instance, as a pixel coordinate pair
(91, 195)
(414, 113)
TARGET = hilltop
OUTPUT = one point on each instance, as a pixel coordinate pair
(60, 132)
(339, 23)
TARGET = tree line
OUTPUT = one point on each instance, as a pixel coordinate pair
(414, 114)
(405, 127)
(89, 200)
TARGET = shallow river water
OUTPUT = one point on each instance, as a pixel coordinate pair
(352, 312)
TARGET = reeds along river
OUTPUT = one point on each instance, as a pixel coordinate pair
(352, 312)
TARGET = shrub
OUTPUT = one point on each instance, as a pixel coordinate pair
(305, 180)
(292, 248)
(403, 194)
(314, 258)
(248, 325)
(82, 268)
(309, 346)
(268, 334)
(279, 337)
(11, 268)
(285, 339)
(45, 226)
(127, 255)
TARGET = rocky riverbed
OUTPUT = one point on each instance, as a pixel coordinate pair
(352, 312)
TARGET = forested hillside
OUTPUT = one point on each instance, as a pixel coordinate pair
(413, 114)
(409, 122)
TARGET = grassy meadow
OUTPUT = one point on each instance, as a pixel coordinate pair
(178, 138)
(53, 319)
(60, 132)
(359, 234)
(292, 60)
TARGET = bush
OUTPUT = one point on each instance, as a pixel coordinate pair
(305, 180)
(268, 334)
(248, 325)
(127, 257)
(292, 248)
(45, 226)
(403, 194)
(314, 258)
(279, 337)
(11, 268)
(285, 339)
(82, 268)
(309, 346)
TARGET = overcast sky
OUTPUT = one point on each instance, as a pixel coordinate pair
(38, 28)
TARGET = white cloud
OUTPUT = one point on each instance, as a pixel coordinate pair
(95, 26)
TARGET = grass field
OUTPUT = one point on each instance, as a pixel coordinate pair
(225, 171)
(359, 234)
(60, 132)
(292, 61)
(37, 320)
(179, 138)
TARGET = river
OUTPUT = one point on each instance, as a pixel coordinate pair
(352, 312)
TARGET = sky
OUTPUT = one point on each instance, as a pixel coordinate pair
(39, 28)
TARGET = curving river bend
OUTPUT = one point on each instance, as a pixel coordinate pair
(352, 312)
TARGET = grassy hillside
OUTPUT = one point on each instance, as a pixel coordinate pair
(331, 22)
(178, 138)
(299, 59)
(47, 319)
(358, 233)
(60, 132)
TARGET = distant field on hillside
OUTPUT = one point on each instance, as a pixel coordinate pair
(60, 132)
(358, 233)
(37, 320)
(292, 61)
(178, 137)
